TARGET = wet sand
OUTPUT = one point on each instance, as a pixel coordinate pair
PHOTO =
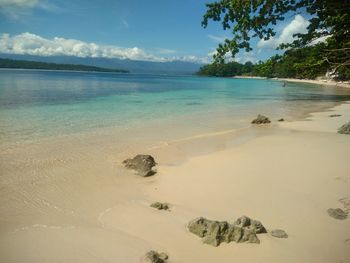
(62, 205)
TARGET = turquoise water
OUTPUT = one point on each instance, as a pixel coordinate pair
(40, 104)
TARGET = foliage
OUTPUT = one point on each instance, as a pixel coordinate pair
(24, 64)
(302, 63)
(257, 18)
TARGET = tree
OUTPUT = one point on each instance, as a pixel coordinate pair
(257, 18)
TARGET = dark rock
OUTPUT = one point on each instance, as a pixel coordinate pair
(142, 164)
(160, 206)
(337, 213)
(261, 119)
(155, 257)
(334, 115)
(281, 120)
(345, 129)
(216, 232)
(279, 233)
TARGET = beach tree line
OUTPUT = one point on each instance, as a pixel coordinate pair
(329, 21)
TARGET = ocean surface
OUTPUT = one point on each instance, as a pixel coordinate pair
(45, 104)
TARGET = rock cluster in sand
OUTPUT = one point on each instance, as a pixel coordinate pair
(213, 233)
(155, 257)
(337, 213)
(345, 129)
(160, 206)
(261, 119)
(142, 164)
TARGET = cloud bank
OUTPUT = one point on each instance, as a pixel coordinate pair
(31, 44)
(298, 25)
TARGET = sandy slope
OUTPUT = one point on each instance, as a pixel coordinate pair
(287, 175)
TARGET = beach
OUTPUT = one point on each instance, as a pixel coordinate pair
(70, 199)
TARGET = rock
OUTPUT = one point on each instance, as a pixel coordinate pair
(334, 115)
(199, 226)
(242, 221)
(257, 227)
(254, 225)
(160, 206)
(279, 233)
(261, 119)
(215, 232)
(142, 164)
(249, 236)
(337, 213)
(281, 120)
(155, 257)
(345, 129)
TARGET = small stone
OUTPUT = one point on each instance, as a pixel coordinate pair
(334, 115)
(155, 257)
(142, 164)
(160, 206)
(337, 213)
(261, 119)
(345, 129)
(281, 120)
(279, 233)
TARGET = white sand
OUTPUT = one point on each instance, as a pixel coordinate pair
(343, 84)
(287, 175)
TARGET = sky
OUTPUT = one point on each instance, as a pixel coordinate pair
(152, 30)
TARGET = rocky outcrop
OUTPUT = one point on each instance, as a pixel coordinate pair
(261, 119)
(160, 206)
(251, 224)
(155, 257)
(345, 129)
(337, 213)
(215, 232)
(142, 164)
(279, 233)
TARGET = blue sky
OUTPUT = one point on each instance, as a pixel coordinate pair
(159, 30)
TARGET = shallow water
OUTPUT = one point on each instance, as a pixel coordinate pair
(41, 104)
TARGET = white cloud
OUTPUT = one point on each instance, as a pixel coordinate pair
(16, 9)
(297, 25)
(31, 44)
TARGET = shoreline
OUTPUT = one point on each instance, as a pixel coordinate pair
(341, 84)
(286, 174)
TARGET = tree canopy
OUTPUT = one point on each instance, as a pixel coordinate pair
(247, 19)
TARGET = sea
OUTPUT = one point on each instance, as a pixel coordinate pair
(38, 104)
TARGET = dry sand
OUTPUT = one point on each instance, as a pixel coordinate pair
(90, 209)
(343, 84)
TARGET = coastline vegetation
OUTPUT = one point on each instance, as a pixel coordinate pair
(24, 64)
(324, 48)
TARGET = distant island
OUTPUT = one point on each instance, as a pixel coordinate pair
(24, 64)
